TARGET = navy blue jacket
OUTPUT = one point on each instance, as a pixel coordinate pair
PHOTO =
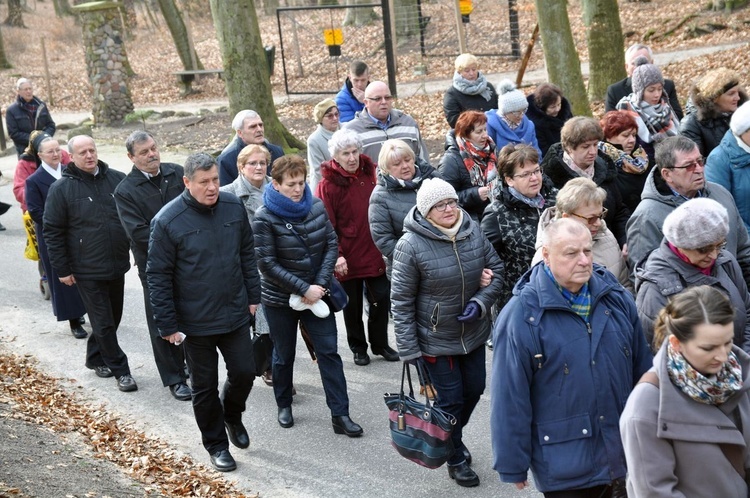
(228, 159)
(560, 385)
(20, 123)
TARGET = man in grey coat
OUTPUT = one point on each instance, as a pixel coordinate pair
(678, 177)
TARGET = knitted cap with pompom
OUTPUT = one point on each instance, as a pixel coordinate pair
(510, 99)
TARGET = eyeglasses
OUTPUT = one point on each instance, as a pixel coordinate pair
(690, 167)
(524, 176)
(516, 113)
(710, 249)
(257, 164)
(52, 151)
(442, 206)
(593, 219)
(331, 115)
(385, 98)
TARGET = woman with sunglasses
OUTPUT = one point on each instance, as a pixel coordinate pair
(583, 201)
(691, 254)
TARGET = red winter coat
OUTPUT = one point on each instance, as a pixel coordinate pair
(24, 168)
(346, 197)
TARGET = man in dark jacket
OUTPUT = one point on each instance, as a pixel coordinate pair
(88, 247)
(149, 186)
(623, 88)
(204, 288)
(568, 350)
(26, 114)
(351, 98)
(249, 127)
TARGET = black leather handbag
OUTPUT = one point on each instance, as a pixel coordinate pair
(336, 297)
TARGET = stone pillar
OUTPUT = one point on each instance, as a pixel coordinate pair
(106, 60)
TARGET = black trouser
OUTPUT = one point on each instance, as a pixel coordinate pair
(169, 359)
(210, 410)
(378, 291)
(103, 302)
(614, 490)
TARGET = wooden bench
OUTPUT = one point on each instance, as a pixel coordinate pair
(187, 77)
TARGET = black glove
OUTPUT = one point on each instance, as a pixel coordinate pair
(471, 313)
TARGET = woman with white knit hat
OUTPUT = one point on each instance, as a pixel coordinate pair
(691, 254)
(508, 124)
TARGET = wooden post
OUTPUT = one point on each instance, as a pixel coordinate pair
(460, 30)
(392, 27)
(527, 56)
(50, 99)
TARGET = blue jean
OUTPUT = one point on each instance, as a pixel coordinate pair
(211, 409)
(459, 382)
(283, 320)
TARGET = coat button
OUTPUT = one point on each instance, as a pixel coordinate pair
(585, 431)
(546, 438)
(531, 319)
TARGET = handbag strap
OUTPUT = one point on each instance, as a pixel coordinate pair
(406, 377)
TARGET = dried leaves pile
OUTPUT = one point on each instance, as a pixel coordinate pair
(36, 397)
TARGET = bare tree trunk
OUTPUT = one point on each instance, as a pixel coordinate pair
(177, 27)
(62, 8)
(359, 17)
(560, 56)
(15, 14)
(246, 74)
(4, 62)
(605, 45)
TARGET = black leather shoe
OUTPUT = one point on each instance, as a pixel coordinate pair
(345, 425)
(181, 391)
(223, 461)
(102, 371)
(126, 383)
(285, 417)
(467, 455)
(463, 475)
(78, 332)
(361, 359)
(388, 353)
(237, 434)
(267, 378)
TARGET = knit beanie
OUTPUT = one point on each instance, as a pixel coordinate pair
(697, 223)
(717, 82)
(510, 99)
(322, 108)
(432, 191)
(645, 75)
(740, 121)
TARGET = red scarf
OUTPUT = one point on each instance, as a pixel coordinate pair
(705, 271)
(480, 163)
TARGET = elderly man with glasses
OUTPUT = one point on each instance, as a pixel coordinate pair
(379, 121)
(678, 177)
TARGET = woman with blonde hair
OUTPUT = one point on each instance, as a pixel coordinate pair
(470, 90)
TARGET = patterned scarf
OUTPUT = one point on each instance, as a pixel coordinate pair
(283, 206)
(412, 184)
(480, 163)
(709, 391)
(586, 173)
(535, 202)
(580, 302)
(655, 122)
(635, 163)
(476, 87)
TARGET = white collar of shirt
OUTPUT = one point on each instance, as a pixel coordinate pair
(149, 175)
(56, 173)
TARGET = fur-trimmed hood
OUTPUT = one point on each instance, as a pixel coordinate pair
(706, 108)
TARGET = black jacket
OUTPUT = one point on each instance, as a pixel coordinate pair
(20, 123)
(81, 227)
(548, 127)
(286, 265)
(201, 267)
(605, 176)
(623, 88)
(705, 124)
(456, 102)
(139, 199)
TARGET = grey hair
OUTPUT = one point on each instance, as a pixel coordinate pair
(240, 117)
(635, 48)
(198, 161)
(667, 149)
(74, 139)
(343, 139)
(392, 149)
(137, 137)
(576, 193)
(21, 81)
(563, 225)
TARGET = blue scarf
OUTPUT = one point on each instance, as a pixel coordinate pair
(580, 302)
(535, 202)
(284, 207)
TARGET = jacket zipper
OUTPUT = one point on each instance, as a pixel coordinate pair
(463, 292)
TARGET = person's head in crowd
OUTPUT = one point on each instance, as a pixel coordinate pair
(567, 252)
(681, 165)
(345, 148)
(467, 66)
(437, 202)
(620, 128)
(582, 200)
(252, 164)
(397, 159)
(326, 114)
(25, 89)
(719, 89)
(699, 324)
(35, 140)
(378, 100)
(697, 231)
(548, 98)
(288, 175)
(633, 52)
(202, 178)
(143, 151)
(472, 127)
(249, 127)
(511, 102)
(648, 82)
(580, 137)
(83, 153)
(519, 166)
(359, 75)
(740, 125)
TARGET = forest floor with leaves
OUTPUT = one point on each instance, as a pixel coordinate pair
(54, 444)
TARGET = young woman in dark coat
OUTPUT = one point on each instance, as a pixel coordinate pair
(549, 111)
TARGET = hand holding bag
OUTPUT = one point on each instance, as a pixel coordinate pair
(420, 432)
(336, 297)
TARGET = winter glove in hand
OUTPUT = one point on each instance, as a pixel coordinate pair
(471, 313)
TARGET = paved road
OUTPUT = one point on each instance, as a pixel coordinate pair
(306, 460)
